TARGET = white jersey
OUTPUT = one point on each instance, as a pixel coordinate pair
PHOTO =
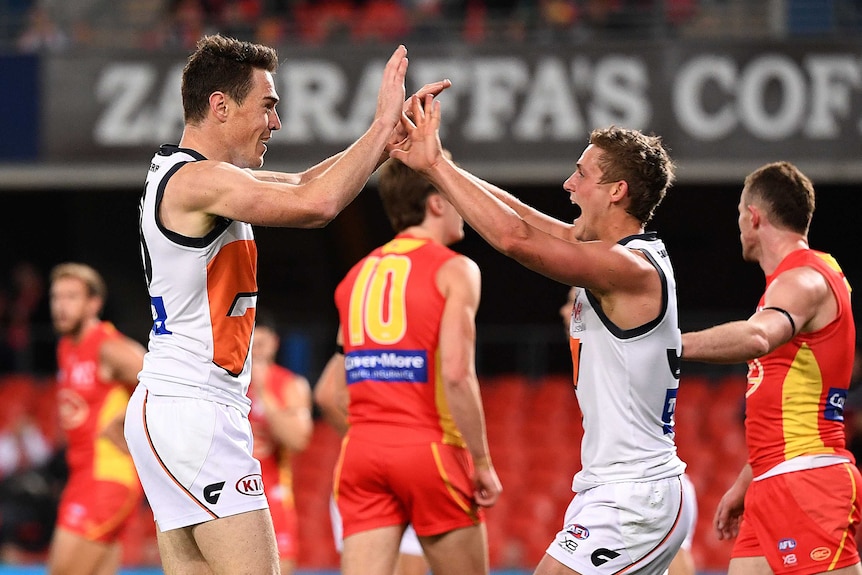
(626, 382)
(203, 293)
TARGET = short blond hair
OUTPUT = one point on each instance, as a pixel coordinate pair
(92, 279)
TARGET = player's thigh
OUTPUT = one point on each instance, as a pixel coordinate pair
(179, 553)
(72, 554)
(460, 551)
(243, 543)
(550, 566)
(411, 565)
(371, 552)
(749, 566)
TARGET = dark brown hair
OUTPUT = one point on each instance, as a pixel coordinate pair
(221, 64)
(403, 192)
(787, 193)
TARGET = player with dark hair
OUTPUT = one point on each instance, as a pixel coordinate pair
(795, 506)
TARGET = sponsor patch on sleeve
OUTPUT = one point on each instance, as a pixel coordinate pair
(835, 404)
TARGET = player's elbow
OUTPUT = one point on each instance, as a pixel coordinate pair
(758, 345)
(320, 218)
(456, 378)
(513, 240)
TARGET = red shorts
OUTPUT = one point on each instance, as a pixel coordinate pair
(803, 521)
(97, 510)
(285, 522)
(427, 485)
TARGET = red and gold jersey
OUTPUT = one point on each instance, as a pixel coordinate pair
(274, 459)
(87, 405)
(795, 397)
(390, 311)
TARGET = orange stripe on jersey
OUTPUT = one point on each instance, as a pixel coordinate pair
(803, 387)
(232, 294)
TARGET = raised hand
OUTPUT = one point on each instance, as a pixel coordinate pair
(390, 98)
(421, 149)
(399, 133)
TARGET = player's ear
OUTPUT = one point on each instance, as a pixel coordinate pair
(756, 216)
(434, 204)
(219, 105)
(619, 191)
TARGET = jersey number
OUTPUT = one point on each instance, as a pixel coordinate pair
(378, 303)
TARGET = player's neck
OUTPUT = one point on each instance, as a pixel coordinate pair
(778, 246)
(87, 325)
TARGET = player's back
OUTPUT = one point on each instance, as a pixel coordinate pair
(390, 311)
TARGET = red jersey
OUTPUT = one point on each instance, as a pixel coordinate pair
(390, 311)
(87, 404)
(275, 460)
(795, 397)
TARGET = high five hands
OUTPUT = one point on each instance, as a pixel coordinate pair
(421, 148)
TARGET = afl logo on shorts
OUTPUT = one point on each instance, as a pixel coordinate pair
(250, 485)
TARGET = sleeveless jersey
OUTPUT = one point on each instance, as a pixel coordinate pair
(274, 459)
(203, 293)
(87, 403)
(794, 404)
(626, 383)
(390, 311)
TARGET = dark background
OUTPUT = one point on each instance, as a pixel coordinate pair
(299, 269)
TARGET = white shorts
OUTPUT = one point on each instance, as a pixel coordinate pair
(193, 457)
(687, 486)
(409, 541)
(634, 527)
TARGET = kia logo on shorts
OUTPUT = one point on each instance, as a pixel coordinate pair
(250, 485)
(820, 553)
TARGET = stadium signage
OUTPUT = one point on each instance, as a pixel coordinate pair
(516, 114)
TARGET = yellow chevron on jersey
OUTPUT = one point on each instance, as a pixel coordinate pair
(403, 245)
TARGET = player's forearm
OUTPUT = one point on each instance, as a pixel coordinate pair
(337, 181)
(734, 342)
(292, 429)
(493, 219)
(529, 214)
(465, 405)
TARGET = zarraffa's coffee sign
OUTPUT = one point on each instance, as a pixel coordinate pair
(516, 115)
